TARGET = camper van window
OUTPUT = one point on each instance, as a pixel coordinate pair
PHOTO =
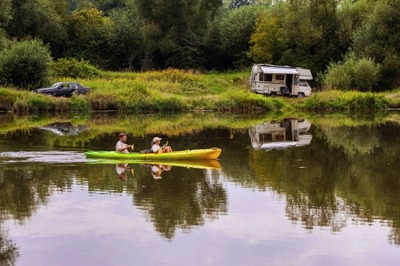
(280, 77)
(303, 83)
(265, 77)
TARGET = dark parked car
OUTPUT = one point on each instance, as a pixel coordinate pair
(66, 89)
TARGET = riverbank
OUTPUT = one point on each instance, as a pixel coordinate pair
(178, 90)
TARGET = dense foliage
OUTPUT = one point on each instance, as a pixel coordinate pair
(217, 35)
(24, 64)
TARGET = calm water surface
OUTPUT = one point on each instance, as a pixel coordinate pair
(317, 191)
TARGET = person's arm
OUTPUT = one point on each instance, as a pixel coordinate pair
(122, 147)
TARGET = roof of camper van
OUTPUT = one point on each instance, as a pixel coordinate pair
(275, 69)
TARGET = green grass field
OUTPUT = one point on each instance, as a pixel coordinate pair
(179, 90)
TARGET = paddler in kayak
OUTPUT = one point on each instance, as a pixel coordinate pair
(121, 146)
(156, 148)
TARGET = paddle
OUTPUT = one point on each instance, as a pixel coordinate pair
(130, 146)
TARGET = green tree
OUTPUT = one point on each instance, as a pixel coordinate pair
(323, 14)
(302, 37)
(267, 42)
(379, 38)
(108, 6)
(176, 40)
(235, 29)
(41, 19)
(240, 3)
(89, 31)
(299, 32)
(125, 42)
(25, 64)
(5, 12)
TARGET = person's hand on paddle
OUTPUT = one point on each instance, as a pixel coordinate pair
(165, 145)
(129, 146)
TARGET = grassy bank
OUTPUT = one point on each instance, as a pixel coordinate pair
(155, 91)
(178, 90)
(334, 100)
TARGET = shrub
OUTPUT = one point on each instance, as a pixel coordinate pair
(361, 74)
(71, 67)
(366, 73)
(337, 77)
(25, 64)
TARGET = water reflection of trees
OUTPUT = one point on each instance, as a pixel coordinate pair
(8, 250)
(308, 179)
(22, 190)
(346, 172)
(183, 199)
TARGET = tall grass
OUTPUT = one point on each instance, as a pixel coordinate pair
(245, 101)
(80, 104)
(176, 90)
(7, 99)
(349, 100)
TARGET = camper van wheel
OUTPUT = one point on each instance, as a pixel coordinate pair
(273, 94)
(300, 95)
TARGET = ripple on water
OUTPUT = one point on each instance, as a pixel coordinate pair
(42, 156)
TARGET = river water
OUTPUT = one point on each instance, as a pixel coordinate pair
(307, 190)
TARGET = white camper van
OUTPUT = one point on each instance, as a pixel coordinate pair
(280, 80)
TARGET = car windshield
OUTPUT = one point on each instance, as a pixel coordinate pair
(56, 84)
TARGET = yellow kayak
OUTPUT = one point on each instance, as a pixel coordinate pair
(198, 154)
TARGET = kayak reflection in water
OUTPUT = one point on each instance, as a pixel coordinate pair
(157, 169)
(121, 146)
(121, 168)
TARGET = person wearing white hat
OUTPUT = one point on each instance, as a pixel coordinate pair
(156, 148)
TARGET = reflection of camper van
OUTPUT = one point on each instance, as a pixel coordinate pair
(279, 135)
(280, 80)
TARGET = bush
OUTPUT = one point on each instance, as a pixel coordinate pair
(71, 67)
(366, 73)
(25, 64)
(338, 76)
(361, 74)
